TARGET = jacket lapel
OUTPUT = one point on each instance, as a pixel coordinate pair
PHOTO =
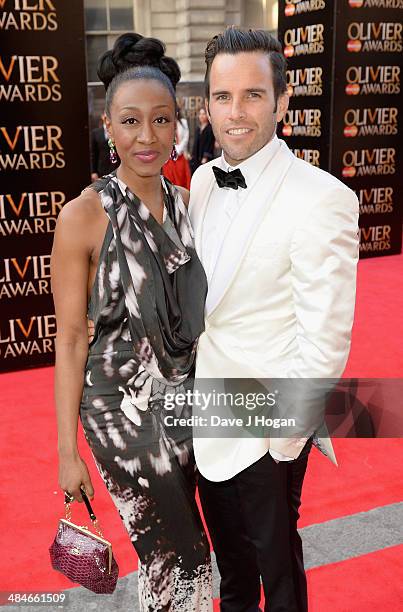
(199, 198)
(245, 225)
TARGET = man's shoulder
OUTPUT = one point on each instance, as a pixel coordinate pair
(205, 170)
(316, 189)
(200, 180)
(314, 180)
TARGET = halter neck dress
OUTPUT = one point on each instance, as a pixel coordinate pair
(147, 304)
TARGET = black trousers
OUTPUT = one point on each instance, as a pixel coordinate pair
(252, 520)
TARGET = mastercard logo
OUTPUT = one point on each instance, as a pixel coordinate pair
(354, 46)
(289, 51)
(349, 171)
(289, 10)
(290, 90)
(350, 131)
(352, 89)
(356, 3)
(287, 130)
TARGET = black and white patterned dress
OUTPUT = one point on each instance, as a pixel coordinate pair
(147, 304)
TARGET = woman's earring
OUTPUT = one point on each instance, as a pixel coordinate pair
(112, 151)
(174, 153)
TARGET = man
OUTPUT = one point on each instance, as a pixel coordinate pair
(100, 156)
(203, 145)
(279, 245)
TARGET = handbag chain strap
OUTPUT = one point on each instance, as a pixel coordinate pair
(94, 520)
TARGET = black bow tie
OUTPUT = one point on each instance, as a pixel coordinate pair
(233, 179)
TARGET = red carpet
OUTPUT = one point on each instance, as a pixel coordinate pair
(376, 347)
(370, 472)
(370, 583)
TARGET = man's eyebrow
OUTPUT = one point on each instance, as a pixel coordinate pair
(220, 92)
(249, 90)
(256, 89)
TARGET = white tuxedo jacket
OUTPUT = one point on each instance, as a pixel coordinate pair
(281, 299)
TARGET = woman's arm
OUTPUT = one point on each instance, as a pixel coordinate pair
(69, 270)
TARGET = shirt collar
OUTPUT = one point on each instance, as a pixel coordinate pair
(252, 167)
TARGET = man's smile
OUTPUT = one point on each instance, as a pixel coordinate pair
(240, 131)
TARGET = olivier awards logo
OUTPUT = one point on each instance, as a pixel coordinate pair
(302, 122)
(385, 4)
(31, 147)
(305, 81)
(25, 276)
(372, 80)
(29, 78)
(298, 7)
(30, 213)
(191, 105)
(376, 200)
(312, 156)
(31, 335)
(369, 162)
(375, 238)
(304, 40)
(382, 37)
(380, 121)
(28, 15)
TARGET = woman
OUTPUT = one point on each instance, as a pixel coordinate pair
(203, 145)
(123, 254)
(177, 168)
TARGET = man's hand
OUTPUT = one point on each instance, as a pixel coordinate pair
(91, 330)
(94, 176)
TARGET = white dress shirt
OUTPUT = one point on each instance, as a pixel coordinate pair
(225, 203)
(222, 210)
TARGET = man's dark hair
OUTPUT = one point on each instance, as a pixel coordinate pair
(238, 40)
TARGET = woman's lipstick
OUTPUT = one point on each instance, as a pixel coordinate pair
(147, 156)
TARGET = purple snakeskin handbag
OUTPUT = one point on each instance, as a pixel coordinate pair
(83, 556)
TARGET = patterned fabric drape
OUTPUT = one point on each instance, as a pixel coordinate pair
(163, 280)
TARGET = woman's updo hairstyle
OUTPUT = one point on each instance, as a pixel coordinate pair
(136, 57)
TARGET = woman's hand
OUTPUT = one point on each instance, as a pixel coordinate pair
(90, 330)
(73, 473)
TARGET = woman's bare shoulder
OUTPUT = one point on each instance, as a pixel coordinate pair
(81, 209)
(78, 222)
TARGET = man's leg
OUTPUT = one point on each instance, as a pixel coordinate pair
(236, 556)
(271, 515)
(296, 473)
(262, 491)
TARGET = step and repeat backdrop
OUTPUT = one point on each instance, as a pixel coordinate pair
(344, 79)
(44, 162)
